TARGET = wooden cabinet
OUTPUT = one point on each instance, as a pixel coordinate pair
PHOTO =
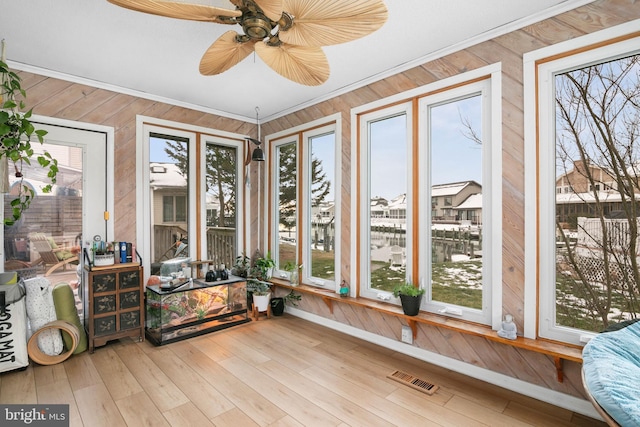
(113, 303)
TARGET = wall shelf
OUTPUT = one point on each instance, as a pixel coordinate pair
(558, 351)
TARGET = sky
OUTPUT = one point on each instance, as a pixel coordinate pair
(454, 156)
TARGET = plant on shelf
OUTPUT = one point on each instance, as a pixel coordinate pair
(294, 272)
(16, 131)
(410, 297)
(241, 266)
(262, 266)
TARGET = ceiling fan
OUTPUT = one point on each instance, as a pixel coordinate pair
(286, 34)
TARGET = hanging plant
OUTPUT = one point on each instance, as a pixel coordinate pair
(16, 133)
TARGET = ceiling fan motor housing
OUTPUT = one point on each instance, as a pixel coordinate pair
(256, 25)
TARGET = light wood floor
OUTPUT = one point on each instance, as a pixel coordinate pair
(283, 371)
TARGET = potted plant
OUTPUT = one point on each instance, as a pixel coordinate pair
(16, 131)
(260, 291)
(410, 297)
(278, 303)
(294, 272)
(263, 266)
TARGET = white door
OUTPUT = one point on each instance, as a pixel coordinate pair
(75, 210)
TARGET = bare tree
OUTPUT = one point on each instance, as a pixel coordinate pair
(597, 129)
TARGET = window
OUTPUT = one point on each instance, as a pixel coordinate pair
(446, 179)
(385, 242)
(319, 184)
(174, 208)
(586, 248)
(458, 145)
(182, 196)
(223, 181)
(285, 228)
(305, 215)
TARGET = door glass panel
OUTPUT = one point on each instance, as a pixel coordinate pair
(222, 202)
(168, 181)
(47, 238)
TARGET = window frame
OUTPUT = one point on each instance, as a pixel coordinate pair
(363, 243)
(540, 68)
(493, 177)
(273, 229)
(301, 135)
(197, 138)
(489, 314)
(305, 221)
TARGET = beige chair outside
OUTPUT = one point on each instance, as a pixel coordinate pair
(50, 254)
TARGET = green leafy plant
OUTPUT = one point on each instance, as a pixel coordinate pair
(258, 287)
(292, 298)
(262, 266)
(16, 131)
(407, 288)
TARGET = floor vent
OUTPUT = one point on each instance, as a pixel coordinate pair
(413, 382)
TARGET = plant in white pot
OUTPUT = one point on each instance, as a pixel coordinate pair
(16, 131)
(261, 292)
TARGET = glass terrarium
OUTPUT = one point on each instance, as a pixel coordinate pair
(195, 309)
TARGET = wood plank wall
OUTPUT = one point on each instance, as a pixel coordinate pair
(62, 99)
(509, 50)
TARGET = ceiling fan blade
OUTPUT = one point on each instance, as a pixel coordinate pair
(224, 53)
(306, 65)
(329, 22)
(271, 8)
(171, 9)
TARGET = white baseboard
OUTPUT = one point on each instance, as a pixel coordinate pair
(552, 397)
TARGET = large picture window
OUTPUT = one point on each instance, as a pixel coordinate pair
(588, 181)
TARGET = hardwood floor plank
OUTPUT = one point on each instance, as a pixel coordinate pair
(429, 407)
(115, 375)
(324, 398)
(81, 372)
(290, 402)
(234, 418)
(59, 392)
(187, 415)
(97, 408)
(18, 386)
(372, 403)
(287, 421)
(482, 413)
(49, 374)
(164, 393)
(202, 394)
(139, 410)
(252, 403)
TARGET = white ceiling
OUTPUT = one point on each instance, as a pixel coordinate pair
(104, 45)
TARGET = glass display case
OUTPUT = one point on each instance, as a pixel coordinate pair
(195, 308)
